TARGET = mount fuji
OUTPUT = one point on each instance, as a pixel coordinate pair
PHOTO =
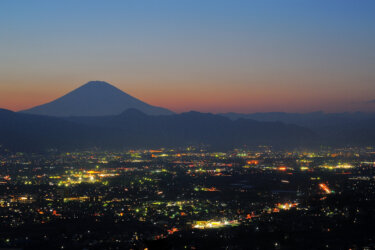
(95, 98)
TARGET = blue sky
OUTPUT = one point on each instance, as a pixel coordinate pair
(245, 56)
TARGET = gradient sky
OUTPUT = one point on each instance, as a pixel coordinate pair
(210, 56)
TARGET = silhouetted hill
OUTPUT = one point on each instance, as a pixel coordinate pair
(133, 128)
(197, 128)
(95, 98)
(356, 128)
(311, 120)
(35, 132)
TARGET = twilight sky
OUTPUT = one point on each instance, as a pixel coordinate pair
(210, 56)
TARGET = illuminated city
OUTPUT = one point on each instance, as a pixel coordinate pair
(185, 197)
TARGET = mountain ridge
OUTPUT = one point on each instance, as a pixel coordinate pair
(134, 129)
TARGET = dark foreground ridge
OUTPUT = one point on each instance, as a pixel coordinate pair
(132, 128)
(336, 129)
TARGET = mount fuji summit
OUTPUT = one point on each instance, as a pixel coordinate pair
(95, 98)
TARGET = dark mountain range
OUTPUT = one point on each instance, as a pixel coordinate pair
(356, 128)
(195, 128)
(133, 128)
(311, 120)
(27, 132)
(95, 98)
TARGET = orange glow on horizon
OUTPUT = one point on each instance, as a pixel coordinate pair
(205, 98)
